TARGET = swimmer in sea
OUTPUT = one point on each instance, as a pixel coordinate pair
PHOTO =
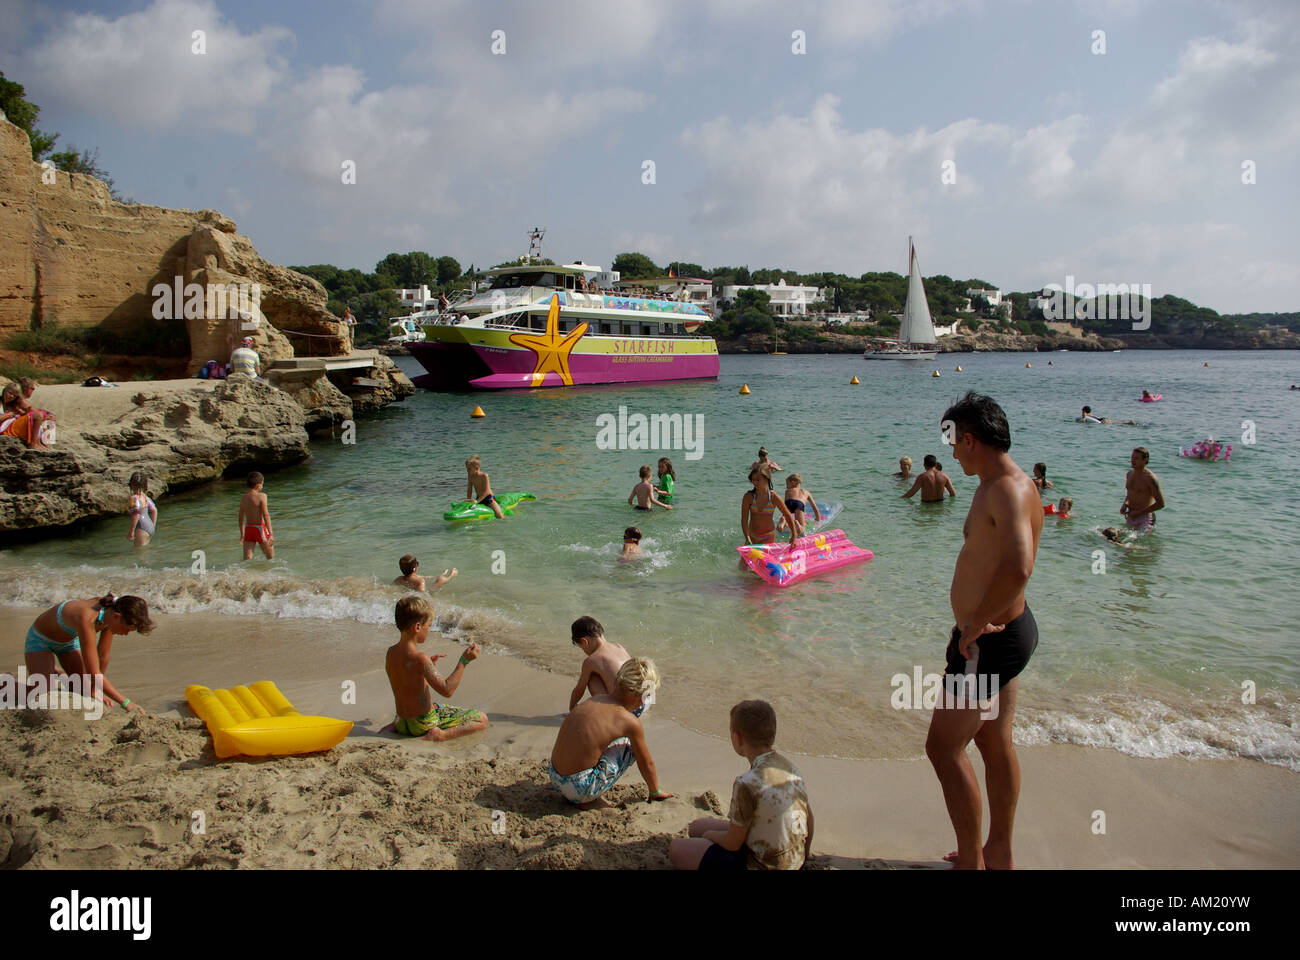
(631, 544)
(933, 483)
(1144, 496)
(1087, 416)
(904, 469)
(1040, 476)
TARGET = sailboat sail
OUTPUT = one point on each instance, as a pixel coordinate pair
(917, 327)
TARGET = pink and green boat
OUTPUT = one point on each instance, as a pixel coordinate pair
(550, 326)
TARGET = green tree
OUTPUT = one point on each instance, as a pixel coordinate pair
(687, 269)
(448, 270)
(23, 113)
(635, 266)
(409, 269)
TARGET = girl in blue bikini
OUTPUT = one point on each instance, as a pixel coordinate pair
(65, 636)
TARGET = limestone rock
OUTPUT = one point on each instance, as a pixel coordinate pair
(73, 256)
(177, 440)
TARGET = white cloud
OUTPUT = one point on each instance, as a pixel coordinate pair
(139, 70)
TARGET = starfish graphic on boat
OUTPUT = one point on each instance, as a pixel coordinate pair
(552, 350)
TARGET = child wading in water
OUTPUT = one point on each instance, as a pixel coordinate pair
(795, 498)
(644, 493)
(770, 824)
(756, 507)
(631, 544)
(412, 580)
(667, 479)
(143, 512)
(414, 680)
(255, 519)
(479, 488)
(1040, 476)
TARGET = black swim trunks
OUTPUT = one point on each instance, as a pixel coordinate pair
(720, 858)
(1002, 655)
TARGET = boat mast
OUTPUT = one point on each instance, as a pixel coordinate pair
(535, 243)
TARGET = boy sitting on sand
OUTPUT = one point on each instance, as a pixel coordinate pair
(631, 544)
(604, 658)
(770, 824)
(479, 488)
(412, 674)
(412, 580)
(644, 493)
(601, 737)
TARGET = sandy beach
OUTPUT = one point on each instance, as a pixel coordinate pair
(123, 792)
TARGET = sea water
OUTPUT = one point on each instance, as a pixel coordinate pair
(1182, 643)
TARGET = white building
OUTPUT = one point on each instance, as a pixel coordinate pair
(994, 297)
(787, 301)
(415, 298)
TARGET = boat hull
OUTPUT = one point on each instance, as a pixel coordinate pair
(900, 355)
(462, 357)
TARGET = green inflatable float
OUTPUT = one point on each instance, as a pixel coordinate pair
(466, 510)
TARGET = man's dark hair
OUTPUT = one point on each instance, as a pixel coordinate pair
(982, 418)
(586, 627)
(930, 460)
(1087, 409)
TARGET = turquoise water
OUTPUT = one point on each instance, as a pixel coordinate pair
(1149, 657)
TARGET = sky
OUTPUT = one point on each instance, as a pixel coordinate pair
(1017, 141)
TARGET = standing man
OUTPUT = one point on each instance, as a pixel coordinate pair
(994, 637)
(1143, 496)
(246, 361)
(932, 483)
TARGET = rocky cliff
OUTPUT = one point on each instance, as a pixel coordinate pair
(179, 434)
(72, 256)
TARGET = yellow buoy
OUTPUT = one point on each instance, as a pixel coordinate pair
(959, 368)
(935, 374)
(855, 380)
(744, 389)
(1028, 366)
(478, 412)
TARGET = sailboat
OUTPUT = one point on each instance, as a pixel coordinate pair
(916, 338)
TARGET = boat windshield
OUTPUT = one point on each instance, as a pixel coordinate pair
(513, 281)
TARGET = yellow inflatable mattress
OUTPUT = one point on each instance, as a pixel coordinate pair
(258, 721)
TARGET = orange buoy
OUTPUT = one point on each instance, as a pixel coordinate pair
(855, 380)
(478, 412)
(744, 389)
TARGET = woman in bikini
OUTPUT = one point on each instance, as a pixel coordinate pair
(756, 511)
(77, 635)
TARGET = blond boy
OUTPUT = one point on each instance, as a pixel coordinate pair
(601, 737)
(479, 488)
(414, 680)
